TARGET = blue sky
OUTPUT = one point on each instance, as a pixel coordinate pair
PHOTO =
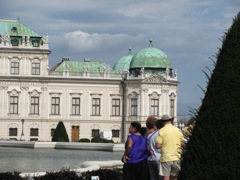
(188, 31)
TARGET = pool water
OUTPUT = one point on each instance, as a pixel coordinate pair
(48, 160)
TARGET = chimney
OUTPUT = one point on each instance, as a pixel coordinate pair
(65, 59)
(86, 59)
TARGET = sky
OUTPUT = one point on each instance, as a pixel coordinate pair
(188, 31)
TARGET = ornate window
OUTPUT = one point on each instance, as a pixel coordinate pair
(34, 102)
(154, 107)
(76, 105)
(95, 133)
(35, 43)
(14, 68)
(13, 131)
(154, 104)
(75, 102)
(55, 105)
(115, 132)
(34, 132)
(35, 68)
(34, 105)
(13, 101)
(133, 97)
(172, 102)
(134, 105)
(52, 131)
(15, 42)
(96, 105)
(115, 107)
(13, 105)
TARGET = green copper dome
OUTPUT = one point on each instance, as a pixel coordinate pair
(124, 62)
(150, 57)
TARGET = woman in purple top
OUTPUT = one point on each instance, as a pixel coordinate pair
(135, 156)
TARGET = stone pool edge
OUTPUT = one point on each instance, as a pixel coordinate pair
(64, 145)
(85, 166)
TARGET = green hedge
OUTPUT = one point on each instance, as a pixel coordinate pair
(84, 140)
(104, 174)
(100, 140)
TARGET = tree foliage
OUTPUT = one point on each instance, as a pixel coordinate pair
(60, 134)
(213, 151)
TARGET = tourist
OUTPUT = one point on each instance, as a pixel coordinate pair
(135, 156)
(170, 139)
(143, 131)
(153, 126)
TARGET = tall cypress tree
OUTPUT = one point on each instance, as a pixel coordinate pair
(213, 151)
(60, 134)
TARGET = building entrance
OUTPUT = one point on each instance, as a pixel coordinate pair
(75, 133)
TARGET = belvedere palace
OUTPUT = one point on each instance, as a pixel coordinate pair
(90, 97)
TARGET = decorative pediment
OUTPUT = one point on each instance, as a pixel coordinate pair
(95, 126)
(34, 93)
(155, 79)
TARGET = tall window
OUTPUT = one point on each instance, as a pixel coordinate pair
(34, 105)
(116, 107)
(96, 106)
(14, 42)
(14, 67)
(12, 131)
(35, 43)
(35, 68)
(13, 104)
(76, 106)
(134, 107)
(52, 131)
(172, 107)
(34, 132)
(154, 107)
(95, 133)
(115, 133)
(55, 104)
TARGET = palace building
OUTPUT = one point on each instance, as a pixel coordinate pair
(89, 97)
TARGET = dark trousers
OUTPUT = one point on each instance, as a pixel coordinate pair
(136, 171)
(153, 167)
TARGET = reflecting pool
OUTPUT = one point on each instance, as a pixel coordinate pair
(42, 160)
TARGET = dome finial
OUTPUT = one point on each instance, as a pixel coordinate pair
(130, 50)
(150, 43)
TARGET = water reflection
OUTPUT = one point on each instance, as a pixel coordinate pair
(41, 160)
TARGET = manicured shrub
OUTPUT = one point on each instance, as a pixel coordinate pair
(97, 140)
(67, 174)
(213, 149)
(60, 134)
(101, 140)
(10, 176)
(84, 140)
(63, 175)
(108, 141)
(104, 174)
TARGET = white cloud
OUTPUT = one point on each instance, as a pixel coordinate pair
(85, 42)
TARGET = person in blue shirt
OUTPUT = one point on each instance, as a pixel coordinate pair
(135, 156)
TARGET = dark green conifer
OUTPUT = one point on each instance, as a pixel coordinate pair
(60, 134)
(213, 151)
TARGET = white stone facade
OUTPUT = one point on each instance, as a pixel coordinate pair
(27, 110)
